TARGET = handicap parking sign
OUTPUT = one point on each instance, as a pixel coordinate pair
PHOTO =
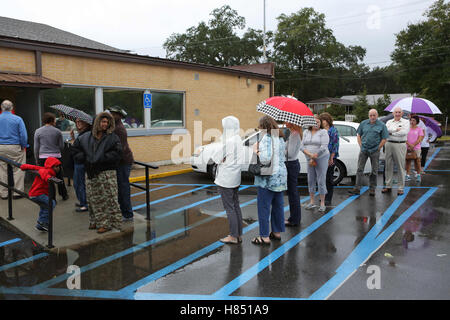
(147, 99)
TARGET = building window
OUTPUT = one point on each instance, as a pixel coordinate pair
(129, 100)
(79, 98)
(167, 110)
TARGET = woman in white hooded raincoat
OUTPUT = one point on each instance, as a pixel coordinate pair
(228, 176)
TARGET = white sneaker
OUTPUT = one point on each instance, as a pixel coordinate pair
(407, 177)
(310, 206)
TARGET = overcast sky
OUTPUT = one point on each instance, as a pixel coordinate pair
(143, 26)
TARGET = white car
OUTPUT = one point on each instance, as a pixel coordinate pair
(346, 164)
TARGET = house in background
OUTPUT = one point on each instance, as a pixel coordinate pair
(318, 105)
(373, 98)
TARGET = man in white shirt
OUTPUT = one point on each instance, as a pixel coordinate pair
(398, 129)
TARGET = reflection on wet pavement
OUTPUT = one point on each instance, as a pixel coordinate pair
(177, 253)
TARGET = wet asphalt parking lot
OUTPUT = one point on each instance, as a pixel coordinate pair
(362, 247)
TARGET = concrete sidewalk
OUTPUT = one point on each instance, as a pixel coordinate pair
(70, 228)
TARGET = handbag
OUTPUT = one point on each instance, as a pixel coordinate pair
(258, 169)
(411, 155)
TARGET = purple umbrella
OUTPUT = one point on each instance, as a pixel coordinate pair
(433, 124)
(414, 105)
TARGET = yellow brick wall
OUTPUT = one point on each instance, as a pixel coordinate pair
(214, 95)
(13, 60)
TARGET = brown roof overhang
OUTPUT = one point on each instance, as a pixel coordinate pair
(26, 80)
(123, 57)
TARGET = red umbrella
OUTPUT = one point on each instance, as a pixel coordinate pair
(287, 110)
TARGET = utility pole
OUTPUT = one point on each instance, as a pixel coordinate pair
(264, 36)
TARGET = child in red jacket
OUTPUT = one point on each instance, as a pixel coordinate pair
(39, 189)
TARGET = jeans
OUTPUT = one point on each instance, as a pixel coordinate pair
(123, 185)
(329, 183)
(293, 169)
(42, 200)
(79, 184)
(266, 200)
(362, 159)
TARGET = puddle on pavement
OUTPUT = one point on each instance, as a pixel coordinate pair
(186, 233)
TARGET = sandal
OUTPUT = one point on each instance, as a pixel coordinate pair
(259, 241)
(400, 192)
(273, 237)
(224, 240)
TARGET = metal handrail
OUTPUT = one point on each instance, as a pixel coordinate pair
(10, 185)
(147, 185)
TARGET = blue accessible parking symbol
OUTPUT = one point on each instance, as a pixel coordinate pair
(147, 99)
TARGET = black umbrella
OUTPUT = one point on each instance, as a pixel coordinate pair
(72, 113)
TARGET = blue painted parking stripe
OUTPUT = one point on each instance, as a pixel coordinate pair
(108, 294)
(182, 262)
(23, 261)
(366, 250)
(155, 189)
(374, 232)
(265, 262)
(431, 158)
(193, 205)
(2, 244)
(134, 249)
(170, 197)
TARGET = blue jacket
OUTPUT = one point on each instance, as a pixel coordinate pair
(12, 130)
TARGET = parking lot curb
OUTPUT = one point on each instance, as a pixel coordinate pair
(161, 175)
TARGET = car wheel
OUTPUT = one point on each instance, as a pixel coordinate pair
(339, 172)
(212, 169)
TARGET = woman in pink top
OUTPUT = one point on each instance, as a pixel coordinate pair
(415, 137)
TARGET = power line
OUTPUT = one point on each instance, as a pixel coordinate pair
(197, 43)
(365, 78)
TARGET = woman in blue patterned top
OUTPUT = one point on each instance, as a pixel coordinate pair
(270, 149)
(333, 148)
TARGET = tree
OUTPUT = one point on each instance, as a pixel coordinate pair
(422, 54)
(310, 61)
(361, 107)
(216, 42)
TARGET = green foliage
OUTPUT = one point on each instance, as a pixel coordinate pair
(422, 54)
(361, 107)
(216, 42)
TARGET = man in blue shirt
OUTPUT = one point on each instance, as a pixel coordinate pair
(13, 141)
(372, 135)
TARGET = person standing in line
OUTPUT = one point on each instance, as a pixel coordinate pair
(270, 149)
(228, 176)
(371, 134)
(293, 169)
(13, 143)
(398, 129)
(124, 169)
(100, 151)
(315, 147)
(79, 181)
(429, 136)
(413, 141)
(333, 148)
(48, 142)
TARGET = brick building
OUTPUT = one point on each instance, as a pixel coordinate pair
(42, 66)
